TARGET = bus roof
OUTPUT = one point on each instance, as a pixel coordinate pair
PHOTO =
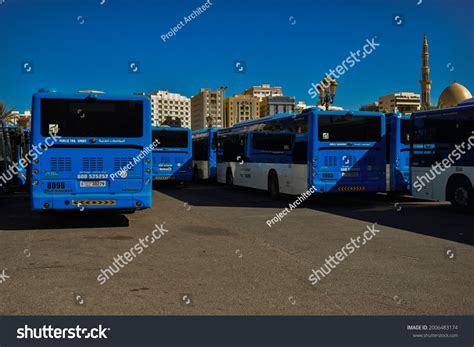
(397, 115)
(204, 130)
(98, 96)
(305, 111)
(449, 111)
(467, 102)
(170, 128)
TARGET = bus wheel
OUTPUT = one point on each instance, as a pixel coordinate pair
(273, 185)
(229, 178)
(460, 193)
(129, 211)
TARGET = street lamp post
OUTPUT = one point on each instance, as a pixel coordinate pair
(327, 94)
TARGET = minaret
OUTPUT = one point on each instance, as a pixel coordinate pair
(425, 81)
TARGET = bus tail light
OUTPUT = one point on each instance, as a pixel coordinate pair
(36, 161)
(138, 203)
(35, 182)
(147, 181)
(45, 205)
(35, 171)
(147, 171)
(148, 161)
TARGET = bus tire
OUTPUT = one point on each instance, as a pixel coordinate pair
(460, 193)
(273, 185)
(129, 211)
(229, 178)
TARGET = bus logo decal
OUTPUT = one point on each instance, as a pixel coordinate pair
(53, 128)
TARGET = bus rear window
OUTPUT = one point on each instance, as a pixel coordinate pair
(347, 128)
(92, 118)
(171, 138)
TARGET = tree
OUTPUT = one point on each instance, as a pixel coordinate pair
(5, 113)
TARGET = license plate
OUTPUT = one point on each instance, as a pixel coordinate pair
(164, 178)
(93, 184)
(350, 174)
(166, 168)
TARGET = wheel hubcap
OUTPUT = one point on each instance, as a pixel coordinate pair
(461, 196)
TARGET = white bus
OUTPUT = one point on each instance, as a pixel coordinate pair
(442, 154)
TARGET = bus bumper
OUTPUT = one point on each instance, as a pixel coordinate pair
(353, 187)
(42, 202)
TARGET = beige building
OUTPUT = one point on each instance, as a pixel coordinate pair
(207, 109)
(271, 105)
(264, 90)
(21, 119)
(373, 107)
(404, 102)
(170, 109)
(239, 108)
(301, 105)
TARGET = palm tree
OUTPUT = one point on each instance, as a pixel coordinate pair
(5, 113)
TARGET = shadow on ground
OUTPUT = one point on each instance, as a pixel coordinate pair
(399, 212)
(15, 214)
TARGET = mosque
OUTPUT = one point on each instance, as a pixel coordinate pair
(451, 96)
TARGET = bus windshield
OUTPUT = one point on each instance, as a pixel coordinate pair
(347, 128)
(92, 118)
(171, 138)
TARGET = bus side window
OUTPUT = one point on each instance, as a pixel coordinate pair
(300, 152)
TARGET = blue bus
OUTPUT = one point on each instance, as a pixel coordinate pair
(91, 151)
(172, 158)
(6, 175)
(325, 151)
(398, 152)
(19, 146)
(204, 154)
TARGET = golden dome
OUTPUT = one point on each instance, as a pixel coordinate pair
(452, 95)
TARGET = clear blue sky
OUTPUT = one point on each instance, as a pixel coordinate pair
(69, 56)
